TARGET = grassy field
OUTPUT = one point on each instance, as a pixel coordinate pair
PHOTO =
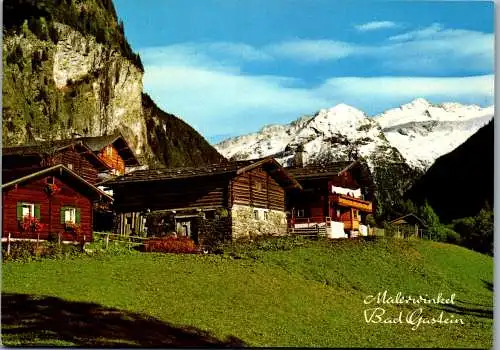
(310, 295)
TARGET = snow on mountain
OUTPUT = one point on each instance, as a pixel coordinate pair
(423, 132)
(417, 132)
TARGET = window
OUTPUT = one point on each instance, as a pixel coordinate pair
(338, 213)
(266, 215)
(256, 214)
(300, 213)
(258, 186)
(70, 166)
(70, 214)
(27, 209)
(109, 151)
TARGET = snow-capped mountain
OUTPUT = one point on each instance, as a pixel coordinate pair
(416, 133)
(423, 132)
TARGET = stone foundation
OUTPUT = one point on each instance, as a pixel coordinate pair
(245, 224)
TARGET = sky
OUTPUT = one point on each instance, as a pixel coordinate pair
(229, 67)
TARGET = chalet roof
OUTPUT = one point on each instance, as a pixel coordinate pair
(44, 148)
(319, 171)
(62, 172)
(408, 218)
(225, 168)
(98, 143)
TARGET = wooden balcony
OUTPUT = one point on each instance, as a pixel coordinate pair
(351, 202)
(351, 225)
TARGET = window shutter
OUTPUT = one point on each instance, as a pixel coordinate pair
(77, 215)
(37, 211)
(19, 211)
(63, 209)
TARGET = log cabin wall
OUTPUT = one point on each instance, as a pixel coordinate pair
(77, 162)
(199, 192)
(49, 209)
(111, 157)
(257, 188)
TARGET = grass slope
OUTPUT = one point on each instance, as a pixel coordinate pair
(310, 295)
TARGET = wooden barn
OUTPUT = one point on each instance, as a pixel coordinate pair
(250, 193)
(409, 225)
(335, 199)
(57, 197)
(73, 154)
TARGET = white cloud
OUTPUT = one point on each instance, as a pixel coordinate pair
(375, 94)
(423, 33)
(205, 86)
(217, 102)
(313, 50)
(376, 25)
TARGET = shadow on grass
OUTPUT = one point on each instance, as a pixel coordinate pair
(488, 285)
(29, 320)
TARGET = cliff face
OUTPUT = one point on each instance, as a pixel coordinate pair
(61, 81)
(460, 183)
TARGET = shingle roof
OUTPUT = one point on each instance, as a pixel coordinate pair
(44, 147)
(97, 143)
(318, 171)
(234, 168)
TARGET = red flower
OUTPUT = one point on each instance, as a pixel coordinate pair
(52, 189)
(31, 224)
(73, 227)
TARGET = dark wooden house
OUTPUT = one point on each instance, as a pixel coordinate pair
(250, 193)
(73, 154)
(335, 197)
(59, 198)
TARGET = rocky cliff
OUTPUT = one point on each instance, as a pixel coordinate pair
(69, 71)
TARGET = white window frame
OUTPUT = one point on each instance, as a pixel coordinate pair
(30, 207)
(256, 215)
(300, 213)
(72, 214)
(266, 215)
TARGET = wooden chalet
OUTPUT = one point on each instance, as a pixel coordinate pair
(73, 154)
(250, 193)
(335, 199)
(112, 150)
(59, 198)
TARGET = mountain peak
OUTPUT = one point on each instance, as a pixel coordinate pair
(418, 103)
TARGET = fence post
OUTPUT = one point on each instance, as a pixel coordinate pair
(8, 244)
(59, 238)
(107, 240)
(37, 240)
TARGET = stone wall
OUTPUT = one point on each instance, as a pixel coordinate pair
(245, 224)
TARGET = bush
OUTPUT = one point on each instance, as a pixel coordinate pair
(170, 245)
(29, 251)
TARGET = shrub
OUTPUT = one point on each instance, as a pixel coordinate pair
(170, 245)
(29, 251)
(20, 250)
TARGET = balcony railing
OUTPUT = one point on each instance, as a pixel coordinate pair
(352, 202)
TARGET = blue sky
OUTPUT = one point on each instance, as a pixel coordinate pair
(228, 67)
